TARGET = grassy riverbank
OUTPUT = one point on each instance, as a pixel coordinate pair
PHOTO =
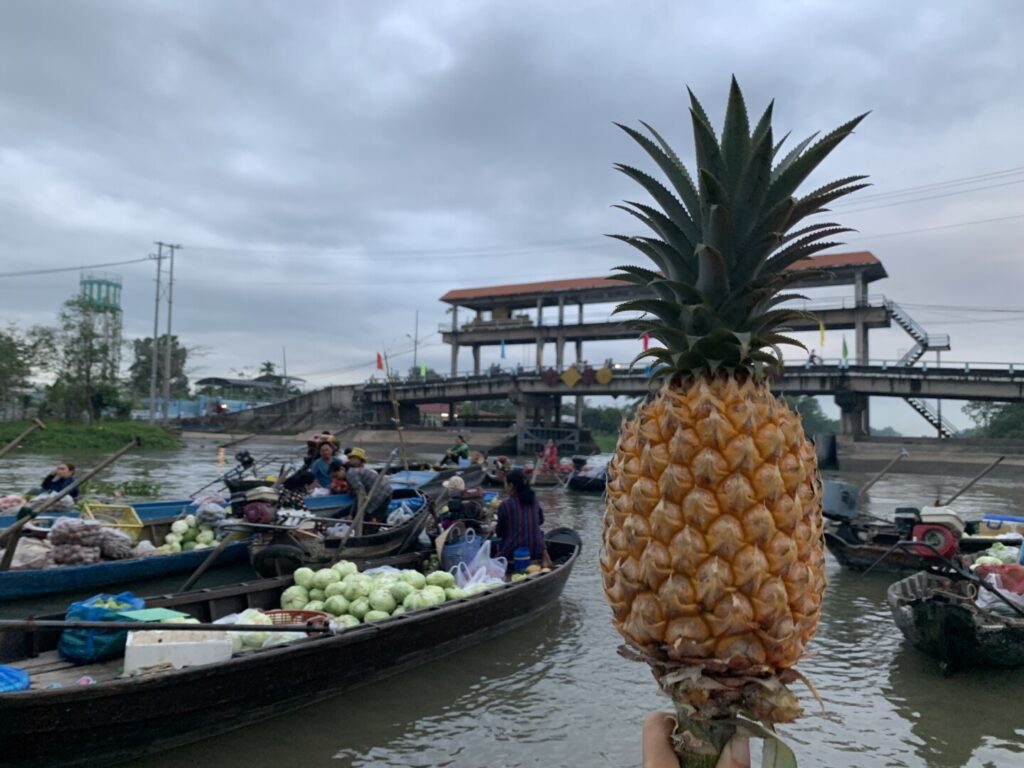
(103, 436)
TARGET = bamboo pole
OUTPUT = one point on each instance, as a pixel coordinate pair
(397, 416)
(901, 455)
(36, 424)
(975, 479)
(33, 625)
(14, 531)
(203, 566)
(357, 521)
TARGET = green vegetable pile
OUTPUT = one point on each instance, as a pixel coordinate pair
(354, 598)
(186, 535)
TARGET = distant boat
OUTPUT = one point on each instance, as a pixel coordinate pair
(591, 475)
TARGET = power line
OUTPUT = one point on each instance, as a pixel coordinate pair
(930, 187)
(29, 272)
(935, 228)
(931, 197)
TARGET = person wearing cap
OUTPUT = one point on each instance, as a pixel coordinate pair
(321, 468)
(458, 451)
(463, 504)
(363, 482)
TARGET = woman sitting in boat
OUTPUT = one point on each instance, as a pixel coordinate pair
(463, 504)
(458, 451)
(338, 482)
(59, 479)
(295, 488)
(519, 519)
(363, 482)
(321, 468)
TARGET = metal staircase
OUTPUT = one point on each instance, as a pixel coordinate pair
(923, 342)
(941, 423)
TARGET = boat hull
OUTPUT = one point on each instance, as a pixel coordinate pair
(938, 617)
(124, 719)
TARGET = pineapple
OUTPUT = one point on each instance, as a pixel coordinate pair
(713, 559)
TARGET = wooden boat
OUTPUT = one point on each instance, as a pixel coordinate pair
(146, 510)
(122, 718)
(938, 615)
(282, 550)
(591, 475)
(17, 584)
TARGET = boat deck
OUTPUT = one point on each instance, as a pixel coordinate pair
(49, 669)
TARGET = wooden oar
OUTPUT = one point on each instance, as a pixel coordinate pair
(36, 424)
(32, 625)
(901, 455)
(975, 479)
(357, 521)
(10, 536)
(204, 566)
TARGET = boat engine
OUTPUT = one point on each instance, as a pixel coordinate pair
(905, 518)
(939, 537)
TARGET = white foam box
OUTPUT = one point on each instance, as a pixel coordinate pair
(185, 648)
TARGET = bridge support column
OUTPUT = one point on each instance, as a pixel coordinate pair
(540, 351)
(559, 352)
(854, 412)
(579, 350)
(455, 358)
(476, 359)
(579, 412)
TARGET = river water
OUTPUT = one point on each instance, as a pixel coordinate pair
(555, 692)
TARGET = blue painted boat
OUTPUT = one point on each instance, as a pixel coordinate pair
(69, 578)
(148, 511)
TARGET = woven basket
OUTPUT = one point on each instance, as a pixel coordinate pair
(309, 618)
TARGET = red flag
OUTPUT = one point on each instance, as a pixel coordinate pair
(380, 362)
(647, 341)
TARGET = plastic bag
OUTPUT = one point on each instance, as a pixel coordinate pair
(988, 602)
(115, 545)
(400, 515)
(64, 504)
(31, 553)
(460, 551)
(482, 569)
(381, 570)
(84, 646)
(73, 530)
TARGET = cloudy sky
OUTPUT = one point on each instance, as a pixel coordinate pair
(332, 168)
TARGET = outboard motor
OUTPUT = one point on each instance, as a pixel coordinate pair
(905, 518)
(840, 500)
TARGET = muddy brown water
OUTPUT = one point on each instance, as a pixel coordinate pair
(555, 693)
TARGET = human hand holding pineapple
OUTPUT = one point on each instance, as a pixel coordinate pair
(713, 559)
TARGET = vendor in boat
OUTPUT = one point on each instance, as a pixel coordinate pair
(321, 468)
(458, 451)
(520, 517)
(463, 504)
(363, 482)
(58, 480)
(313, 447)
(295, 489)
(339, 484)
(549, 456)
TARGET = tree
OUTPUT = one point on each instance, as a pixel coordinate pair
(142, 361)
(416, 374)
(268, 368)
(87, 374)
(1002, 420)
(21, 355)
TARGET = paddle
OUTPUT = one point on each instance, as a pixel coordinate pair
(36, 424)
(357, 521)
(14, 531)
(901, 455)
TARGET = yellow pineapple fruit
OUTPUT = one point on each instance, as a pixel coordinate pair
(713, 559)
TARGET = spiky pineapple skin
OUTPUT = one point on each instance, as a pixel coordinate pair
(713, 535)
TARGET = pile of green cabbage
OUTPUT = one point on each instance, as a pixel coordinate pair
(997, 554)
(353, 598)
(187, 535)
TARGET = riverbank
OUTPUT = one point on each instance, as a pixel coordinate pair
(102, 436)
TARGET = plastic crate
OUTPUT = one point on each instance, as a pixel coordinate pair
(120, 516)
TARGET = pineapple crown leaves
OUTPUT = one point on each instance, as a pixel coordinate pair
(724, 238)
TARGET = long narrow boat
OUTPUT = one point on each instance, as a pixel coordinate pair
(120, 718)
(146, 510)
(939, 615)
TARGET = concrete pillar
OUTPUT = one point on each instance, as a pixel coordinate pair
(579, 350)
(853, 409)
(860, 342)
(579, 319)
(476, 359)
(860, 290)
(559, 352)
(540, 333)
(451, 412)
(579, 412)
(540, 352)
(561, 310)
(455, 358)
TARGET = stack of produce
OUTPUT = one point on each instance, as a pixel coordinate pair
(353, 598)
(186, 534)
(997, 554)
(115, 544)
(76, 541)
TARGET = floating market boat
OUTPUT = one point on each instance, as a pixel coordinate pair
(282, 549)
(120, 718)
(148, 511)
(591, 474)
(939, 615)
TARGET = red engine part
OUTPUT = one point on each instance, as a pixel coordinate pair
(938, 536)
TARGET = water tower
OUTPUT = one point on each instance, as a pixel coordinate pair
(101, 293)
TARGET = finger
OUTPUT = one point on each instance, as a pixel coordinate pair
(736, 753)
(657, 741)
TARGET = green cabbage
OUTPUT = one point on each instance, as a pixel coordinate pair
(435, 594)
(254, 616)
(336, 604)
(188, 546)
(190, 521)
(303, 577)
(325, 576)
(334, 588)
(398, 611)
(359, 607)
(454, 593)
(415, 578)
(314, 605)
(294, 598)
(172, 538)
(190, 535)
(401, 590)
(381, 600)
(205, 537)
(441, 579)
(317, 594)
(343, 568)
(346, 621)
(179, 527)
(356, 589)
(376, 616)
(414, 602)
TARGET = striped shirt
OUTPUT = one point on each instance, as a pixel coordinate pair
(519, 526)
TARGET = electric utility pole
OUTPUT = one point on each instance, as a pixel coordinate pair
(155, 347)
(416, 341)
(169, 343)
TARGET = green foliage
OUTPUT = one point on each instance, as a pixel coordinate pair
(1002, 420)
(723, 244)
(415, 374)
(604, 419)
(106, 435)
(814, 419)
(606, 441)
(142, 362)
(22, 353)
(136, 488)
